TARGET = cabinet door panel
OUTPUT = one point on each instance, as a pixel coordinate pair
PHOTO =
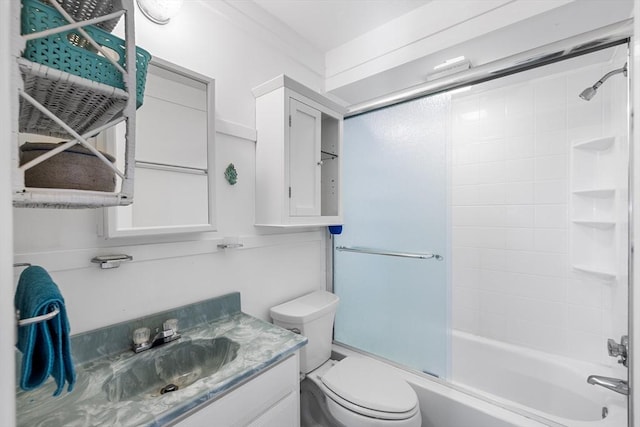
(282, 414)
(304, 159)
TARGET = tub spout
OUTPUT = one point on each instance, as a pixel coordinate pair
(613, 384)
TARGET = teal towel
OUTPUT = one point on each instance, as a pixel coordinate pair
(45, 346)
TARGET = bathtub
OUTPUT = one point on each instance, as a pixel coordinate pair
(552, 387)
(501, 385)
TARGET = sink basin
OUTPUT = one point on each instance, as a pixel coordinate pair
(169, 368)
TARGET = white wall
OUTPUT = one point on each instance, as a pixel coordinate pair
(514, 242)
(213, 39)
(7, 319)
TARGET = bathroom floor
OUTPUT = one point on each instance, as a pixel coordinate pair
(312, 411)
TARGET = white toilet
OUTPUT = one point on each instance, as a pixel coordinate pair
(354, 392)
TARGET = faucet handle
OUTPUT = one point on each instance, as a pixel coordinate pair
(619, 350)
(170, 325)
(141, 336)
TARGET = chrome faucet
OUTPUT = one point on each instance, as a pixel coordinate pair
(613, 384)
(169, 332)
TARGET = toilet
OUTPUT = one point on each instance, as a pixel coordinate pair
(352, 392)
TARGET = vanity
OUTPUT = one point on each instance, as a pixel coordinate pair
(223, 360)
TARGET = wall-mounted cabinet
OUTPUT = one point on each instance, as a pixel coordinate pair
(174, 160)
(298, 163)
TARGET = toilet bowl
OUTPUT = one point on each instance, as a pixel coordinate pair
(352, 392)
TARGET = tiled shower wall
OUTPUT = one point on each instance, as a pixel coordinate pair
(511, 180)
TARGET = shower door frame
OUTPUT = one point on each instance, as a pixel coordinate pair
(581, 44)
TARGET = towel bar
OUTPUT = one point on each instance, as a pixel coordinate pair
(22, 264)
(37, 319)
(389, 253)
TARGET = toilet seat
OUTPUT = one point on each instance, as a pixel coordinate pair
(368, 388)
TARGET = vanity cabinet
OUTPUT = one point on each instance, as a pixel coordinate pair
(298, 163)
(272, 399)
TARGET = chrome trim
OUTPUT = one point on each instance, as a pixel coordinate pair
(389, 253)
(170, 168)
(591, 41)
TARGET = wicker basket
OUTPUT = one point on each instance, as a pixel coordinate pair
(81, 10)
(82, 104)
(63, 51)
(75, 168)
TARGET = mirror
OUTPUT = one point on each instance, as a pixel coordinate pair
(174, 176)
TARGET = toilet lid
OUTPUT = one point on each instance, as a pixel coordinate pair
(371, 385)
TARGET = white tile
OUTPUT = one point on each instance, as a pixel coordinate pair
(465, 320)
(491, 194)
(490, 172)
(551, 216)
(585, 114)
(541, 337)
(464, 195)
(538, 263)
(520, 146)
(492, 259)
(465, 277)
(585, 293)
(465, 257)
(519, 193)
(550, 92)
(551, 168)
(551, 192)
(519, 126)
(464, 297)
(496, 281)
(550, 119)
(537, 311)
(541, 287)
(551, 143)
(490, 237)
(586, 346)
(519, 100)
(520, 239)
(584, 133)
(494, 302)
(493, 326)
(464, 236)
(584, 319)
(519, 170)
(490, 151)
(551, 240)
(464, 174)
(519, 216)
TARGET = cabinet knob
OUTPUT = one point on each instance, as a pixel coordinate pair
(320, 163)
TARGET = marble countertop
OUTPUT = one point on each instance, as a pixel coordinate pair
(261, 345)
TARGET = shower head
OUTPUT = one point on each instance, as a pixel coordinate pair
(590, 92)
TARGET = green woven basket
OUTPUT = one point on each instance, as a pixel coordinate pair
(68, 51)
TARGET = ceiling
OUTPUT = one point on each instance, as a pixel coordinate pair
(327, 24)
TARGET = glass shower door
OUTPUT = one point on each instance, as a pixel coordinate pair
(394, 298)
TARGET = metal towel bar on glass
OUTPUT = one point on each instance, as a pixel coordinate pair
(389, 253)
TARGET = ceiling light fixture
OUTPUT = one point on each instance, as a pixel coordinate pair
(160, 11)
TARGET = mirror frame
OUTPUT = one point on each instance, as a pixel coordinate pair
(110, 216)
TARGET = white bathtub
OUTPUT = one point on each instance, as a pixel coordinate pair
(550, 386)
(490, 376)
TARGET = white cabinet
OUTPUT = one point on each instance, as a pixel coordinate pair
(272, 399)
(174, 159)
(298, 163)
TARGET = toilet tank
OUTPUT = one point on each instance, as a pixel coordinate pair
(311, 315)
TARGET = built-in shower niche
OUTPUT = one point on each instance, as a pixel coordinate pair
(594, 203)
